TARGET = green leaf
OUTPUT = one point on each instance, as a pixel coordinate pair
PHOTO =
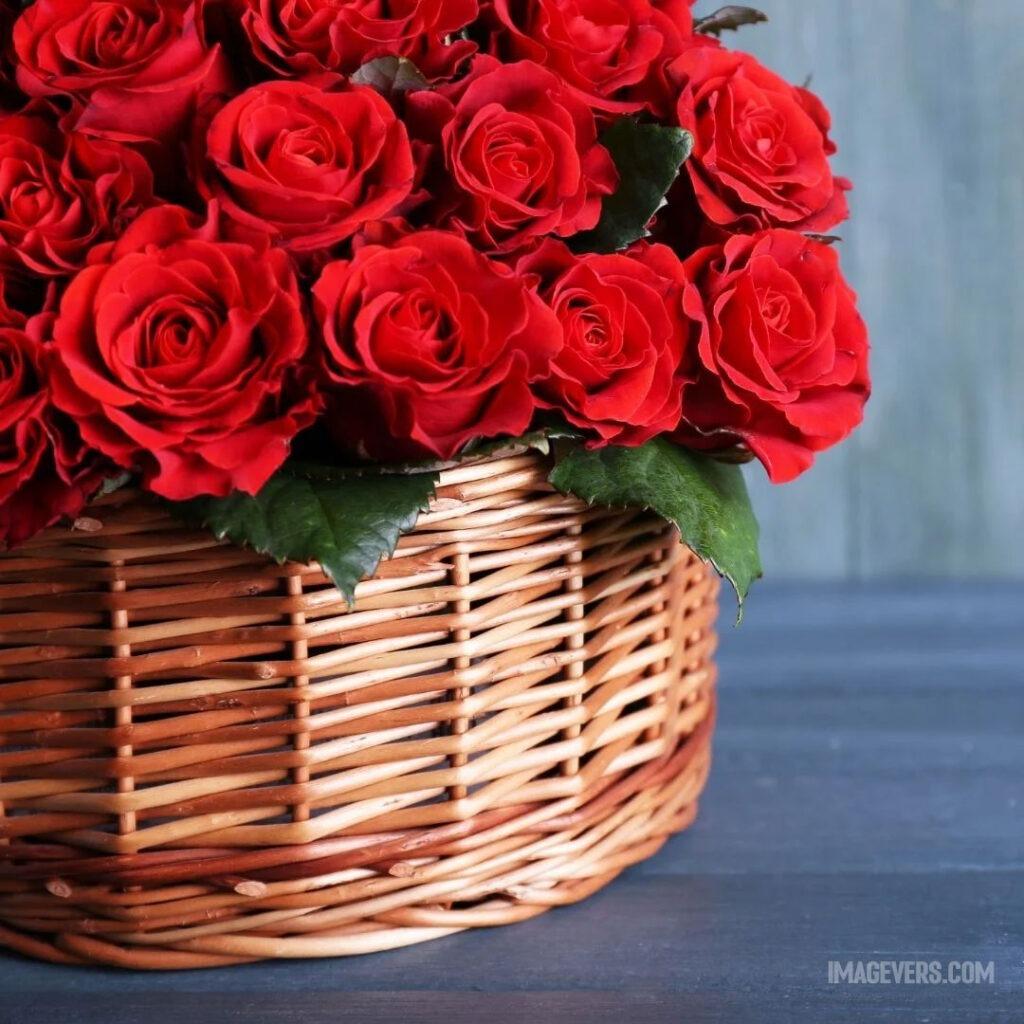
(648, 157)
(538, 439)
(390, 75)
(345, 522)
(729, 18)
(111, 484)
(547, 429)
(706, 499)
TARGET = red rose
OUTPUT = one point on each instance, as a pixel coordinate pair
(761, 146)
(428, 345)
(43, 474)
(180, 355)
(139, 68)
(297, 37)
(23, 439)
(9, 11)
(62, 192)
(521, 153)
(24, 293)
(10, 315)
(624, 334)
(307, 166)
(782, 358)
(613, 52)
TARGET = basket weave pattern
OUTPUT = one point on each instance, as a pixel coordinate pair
(206, 758)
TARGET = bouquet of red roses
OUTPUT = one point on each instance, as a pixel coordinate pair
(280, 260)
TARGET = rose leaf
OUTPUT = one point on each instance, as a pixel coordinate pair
(112, 484)
(547, 428)
(706, 499)
(648, 158)
(729, 18)
(346, 522)
(390, 75)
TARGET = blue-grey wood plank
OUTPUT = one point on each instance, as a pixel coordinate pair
(929, 116)
(867, 802)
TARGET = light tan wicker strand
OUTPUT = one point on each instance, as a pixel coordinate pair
(206, 758)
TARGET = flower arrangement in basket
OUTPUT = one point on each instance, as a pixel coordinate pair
(249, 249)
(475, 305)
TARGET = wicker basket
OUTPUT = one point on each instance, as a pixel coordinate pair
(206, 759)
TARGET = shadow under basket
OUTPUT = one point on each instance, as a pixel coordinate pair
(207, 759)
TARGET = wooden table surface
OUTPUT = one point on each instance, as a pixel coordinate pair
(866, 804)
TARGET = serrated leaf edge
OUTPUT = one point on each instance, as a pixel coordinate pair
(347, 589)
(593, 502)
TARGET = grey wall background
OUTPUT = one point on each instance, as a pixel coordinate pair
(927, 98)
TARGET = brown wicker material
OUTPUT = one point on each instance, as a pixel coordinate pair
(205, 759)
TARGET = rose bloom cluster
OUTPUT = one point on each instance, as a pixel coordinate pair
(218, 232)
